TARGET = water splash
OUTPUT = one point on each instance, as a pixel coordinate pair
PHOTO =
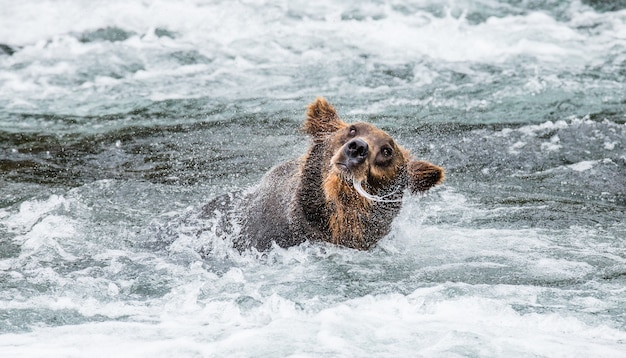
(381, 199)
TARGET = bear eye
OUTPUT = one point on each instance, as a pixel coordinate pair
(387, 152)
(352, 131)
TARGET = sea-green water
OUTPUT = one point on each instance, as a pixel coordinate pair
(120, 119)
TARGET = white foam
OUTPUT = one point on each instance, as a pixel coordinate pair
(426, 322)
(553, 145)
(240, 39)
(583, 165)
(534, 129)
(30, 212)
(515, 147)
(254, 304)
(45, 235)
(559, 269)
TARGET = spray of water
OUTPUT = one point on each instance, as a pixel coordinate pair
(359, 188)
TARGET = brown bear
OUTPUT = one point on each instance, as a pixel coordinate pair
(346, 189)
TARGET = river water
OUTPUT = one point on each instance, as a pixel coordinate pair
(120, 119)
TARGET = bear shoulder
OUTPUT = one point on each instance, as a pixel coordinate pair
(266, 209)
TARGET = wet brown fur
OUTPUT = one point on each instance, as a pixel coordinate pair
(426, 175)
(321, 120)
(312, 198)
(349, 211)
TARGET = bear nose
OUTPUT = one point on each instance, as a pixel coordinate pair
(356, 150)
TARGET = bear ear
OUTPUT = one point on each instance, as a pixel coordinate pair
(321, 120)
(423, 176)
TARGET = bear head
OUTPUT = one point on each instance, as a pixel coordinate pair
(362, 153)
(361, 166)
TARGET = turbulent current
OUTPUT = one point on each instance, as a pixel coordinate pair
(119, 120)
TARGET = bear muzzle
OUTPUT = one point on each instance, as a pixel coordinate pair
(355, 151)
(351, 161)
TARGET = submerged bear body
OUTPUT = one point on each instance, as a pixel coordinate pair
(346, 189)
